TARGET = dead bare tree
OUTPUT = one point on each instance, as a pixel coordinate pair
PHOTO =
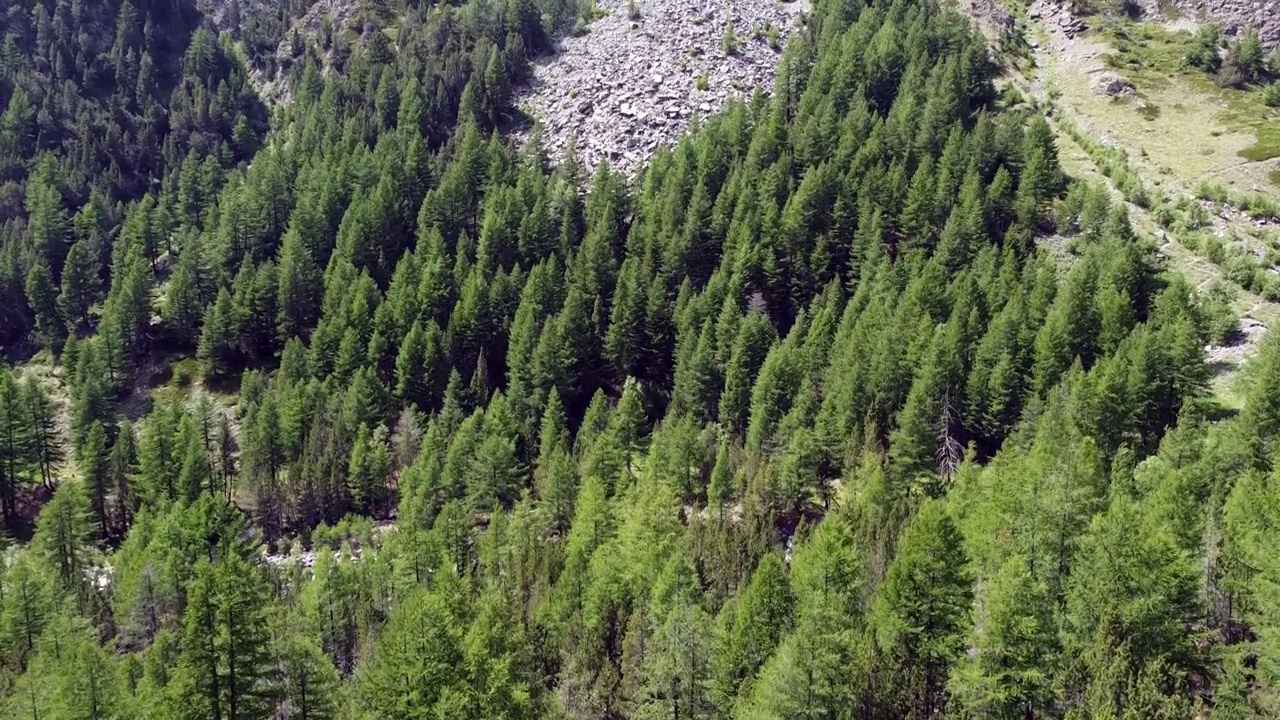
(950, 453)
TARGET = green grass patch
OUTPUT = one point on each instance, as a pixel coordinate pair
(1147, 54)
(1150, 56)
(185, 372)
(1266, 147)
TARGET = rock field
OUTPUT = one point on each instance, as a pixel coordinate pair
(628, 86)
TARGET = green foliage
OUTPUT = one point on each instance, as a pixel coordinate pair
(922, 609)
(1016, 651)
(1203, 52)
(1271, 95)
(1245, 62)
(799, 422)
(1217, 306)
(729, 41)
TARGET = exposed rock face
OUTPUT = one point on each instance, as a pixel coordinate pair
(990, 14)
(628, 86)
(1235, 17)
(1056, 15)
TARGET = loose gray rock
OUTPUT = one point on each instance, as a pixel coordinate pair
(626, 87)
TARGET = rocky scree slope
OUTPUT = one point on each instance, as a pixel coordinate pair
(628, 86)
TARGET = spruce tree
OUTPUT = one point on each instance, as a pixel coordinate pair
(94, 469)
(43, 300)
(922, 611)
(79, 284)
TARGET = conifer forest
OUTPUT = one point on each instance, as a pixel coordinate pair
(342, 402)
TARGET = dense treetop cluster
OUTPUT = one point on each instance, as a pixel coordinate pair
(799, 424)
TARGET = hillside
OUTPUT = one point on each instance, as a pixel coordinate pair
(1198, 155)
(932, 380)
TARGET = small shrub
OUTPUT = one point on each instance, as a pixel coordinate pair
(184, 372)
(1259, 207)
(1213, 249)
(1269, 290)
(1271, 96)
(771, 34)
(1246, 62)
(1240, 270)
(1217, 192)
(730, 41)
(1203, 52)
(1134, 191)
(1218, 316)
(702, 83)
(1011, 96)
(1192, 242)
(1195, 216)
(1165, 215)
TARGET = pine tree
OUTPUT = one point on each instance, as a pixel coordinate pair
(94, 470)
(30, 595)
(225, 669)
(16, 442)
(369, 467)
(697, 381)
(1010, 674)
(48, 222)
(416, 667)
(79, 284)
(63, 533)
(622, 344)
(1041, 175)
(555, 476)
(47, 442)
(310, 684)
(190, 289)
(922, 611)
(299, 289)
(816, 670)
(755, 336)
(121, 469)
(763, 616)
(1131, 600)
(43, 300)
(215, 350)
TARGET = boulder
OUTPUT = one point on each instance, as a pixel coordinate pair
(1111, 85)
